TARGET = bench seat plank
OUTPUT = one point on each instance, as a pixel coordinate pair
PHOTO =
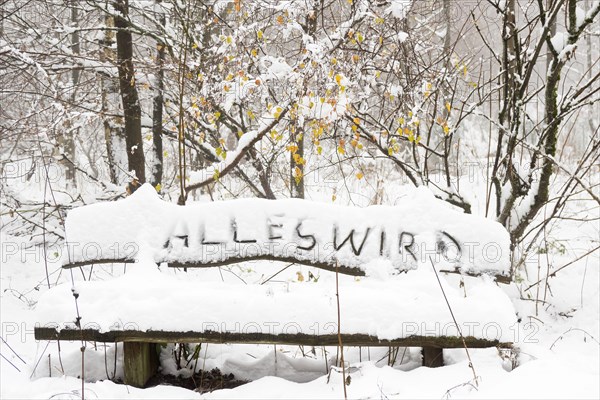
(49, 333)
(372, 309)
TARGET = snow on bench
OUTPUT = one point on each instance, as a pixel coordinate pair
(316, 234)
(388, 308)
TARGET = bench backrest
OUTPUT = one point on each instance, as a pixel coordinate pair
(349, 239)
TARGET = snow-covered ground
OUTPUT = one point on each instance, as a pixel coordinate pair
(558, 353)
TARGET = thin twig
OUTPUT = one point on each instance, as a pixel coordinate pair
(455, 322)
(276, 273)
(8, 361)
(11, 349)
(337, 295)
(40, 359)
(563, 267)
(572, 330)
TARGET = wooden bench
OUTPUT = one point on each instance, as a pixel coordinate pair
(390, 245)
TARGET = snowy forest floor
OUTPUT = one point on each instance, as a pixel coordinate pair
(558, 353)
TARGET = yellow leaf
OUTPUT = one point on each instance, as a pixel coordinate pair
(254, 52)
(297, 175)
(448, 106)
(359, 176)
(356, 120)
(300, 276)
(338, 79)
(259, 34)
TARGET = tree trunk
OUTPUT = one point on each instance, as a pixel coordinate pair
(129, 95)
(113, 127)
(69, 142)
(157, 111)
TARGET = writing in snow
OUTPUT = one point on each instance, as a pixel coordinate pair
(281, 238)
(290, 230)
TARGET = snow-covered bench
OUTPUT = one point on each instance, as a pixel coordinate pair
(400, 302)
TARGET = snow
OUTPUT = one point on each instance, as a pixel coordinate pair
(567, 52)
(418, 227)
(580, 16)
(276, 68)
(559, 41)
(399, 8)
(369, 306)
(558, 356)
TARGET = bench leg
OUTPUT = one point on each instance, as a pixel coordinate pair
(140, 362)
(433, 357)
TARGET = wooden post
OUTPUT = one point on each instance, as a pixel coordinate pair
(140, 362)
(433, 357)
